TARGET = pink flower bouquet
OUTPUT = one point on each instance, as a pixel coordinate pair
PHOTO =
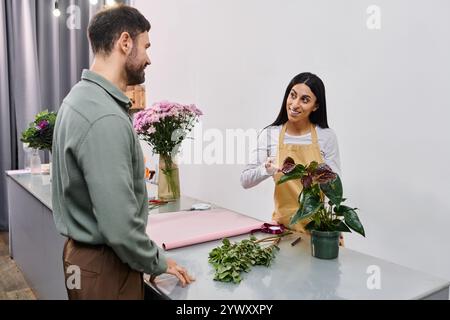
(164, 126)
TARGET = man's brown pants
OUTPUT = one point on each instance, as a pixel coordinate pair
(102, 274)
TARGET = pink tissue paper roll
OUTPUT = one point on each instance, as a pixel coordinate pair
(179, 229)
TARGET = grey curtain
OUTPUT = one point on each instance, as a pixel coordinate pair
(8, 154)
(41, 58)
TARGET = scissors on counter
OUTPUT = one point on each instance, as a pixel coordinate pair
(271, 228)
(152, 204)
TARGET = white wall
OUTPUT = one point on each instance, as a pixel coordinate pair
(388, 101)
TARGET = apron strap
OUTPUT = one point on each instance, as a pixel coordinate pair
(280, 144)
(314, 138)
(282, 133)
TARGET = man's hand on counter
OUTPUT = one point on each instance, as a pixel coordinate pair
(178, 271)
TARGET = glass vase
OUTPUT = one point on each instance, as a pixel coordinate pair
(169, 180)
(35, 162)
(27, 156)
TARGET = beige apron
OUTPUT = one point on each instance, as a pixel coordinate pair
(286, 194)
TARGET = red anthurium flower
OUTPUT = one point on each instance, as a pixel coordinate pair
(307, 181)
(324, 174)
(288, 165)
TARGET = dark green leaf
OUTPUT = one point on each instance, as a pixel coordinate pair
(333, 190)
(309, 204)
(286, 178)
(352, 220)
(339, 225)
(338, 211)
(295, 174)
(310, 225)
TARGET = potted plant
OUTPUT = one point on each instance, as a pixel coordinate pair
(320, 201)
(39, 134)
(164, 126)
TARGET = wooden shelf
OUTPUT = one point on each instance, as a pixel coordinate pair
(137, 97)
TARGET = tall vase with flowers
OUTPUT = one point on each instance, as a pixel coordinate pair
(164, 126)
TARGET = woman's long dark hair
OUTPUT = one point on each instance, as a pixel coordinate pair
(318, 117)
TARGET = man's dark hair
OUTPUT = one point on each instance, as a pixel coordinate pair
(107, 25)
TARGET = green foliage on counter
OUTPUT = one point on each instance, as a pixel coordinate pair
(231, 259)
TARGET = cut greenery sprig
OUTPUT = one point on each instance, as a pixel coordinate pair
(231, 259)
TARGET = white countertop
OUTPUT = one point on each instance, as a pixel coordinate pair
(295, 274)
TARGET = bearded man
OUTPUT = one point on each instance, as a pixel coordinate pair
(99, 194)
